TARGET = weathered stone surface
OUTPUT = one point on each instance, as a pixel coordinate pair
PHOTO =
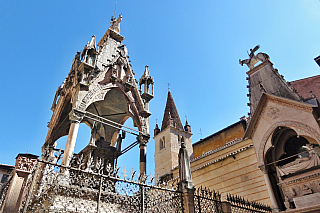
(307, 200)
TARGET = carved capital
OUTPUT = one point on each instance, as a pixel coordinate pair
(25, 163)
(75, 116)
(143, 139)
(264, 169)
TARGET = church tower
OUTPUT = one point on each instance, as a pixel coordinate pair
(168, 141)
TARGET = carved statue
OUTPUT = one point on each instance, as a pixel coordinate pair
(250, 62)
(309, 157)
(119, 141)
(94, 133)
(115, 23)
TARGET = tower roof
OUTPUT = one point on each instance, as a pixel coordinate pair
(171, 111)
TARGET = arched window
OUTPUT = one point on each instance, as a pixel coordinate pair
(162, 143)
(284, 160)
(291, 148)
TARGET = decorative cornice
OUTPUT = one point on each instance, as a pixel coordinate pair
(300, 179)
(224, 157)
(231, 143)
(258, 67)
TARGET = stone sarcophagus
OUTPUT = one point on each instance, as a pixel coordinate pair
(300, 179)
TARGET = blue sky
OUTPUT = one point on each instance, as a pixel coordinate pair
(193, 45)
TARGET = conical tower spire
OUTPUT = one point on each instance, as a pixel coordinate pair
(171, 111)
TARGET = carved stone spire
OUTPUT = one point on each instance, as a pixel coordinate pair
(146, 74)
(92, 44)
(89, 51)
(171, 111)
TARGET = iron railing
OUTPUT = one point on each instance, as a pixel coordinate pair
(91, 185)
(206, 200)
(241, 205)
(53, 187)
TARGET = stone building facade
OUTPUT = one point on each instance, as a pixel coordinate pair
(273, 155)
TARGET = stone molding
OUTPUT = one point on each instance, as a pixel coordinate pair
(300, 187)
(300, 179)
(261, 109)
(224, 157)
(231, 143)
(291, 124)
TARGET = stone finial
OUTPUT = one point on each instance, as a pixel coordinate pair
(91, 45)
(187, 127)
(253, 59)
(146, 73)
(146, 80)
(156, 130)
(146, 77)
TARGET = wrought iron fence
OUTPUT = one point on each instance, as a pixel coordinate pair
(206, 200)
(240, 205)
(53, 187)
(91, 185)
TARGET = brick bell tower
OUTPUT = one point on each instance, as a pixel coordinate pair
(168, 141)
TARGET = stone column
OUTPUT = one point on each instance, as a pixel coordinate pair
(75, 119)
(273, 199)
(23, 168)
(143, 140)
(186, 185)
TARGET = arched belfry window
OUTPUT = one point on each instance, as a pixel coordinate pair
(162, 143)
